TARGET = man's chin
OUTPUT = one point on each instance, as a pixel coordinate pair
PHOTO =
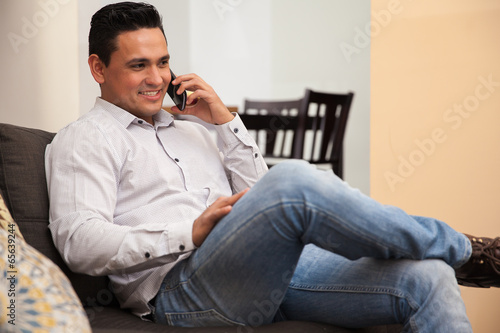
(152, 107)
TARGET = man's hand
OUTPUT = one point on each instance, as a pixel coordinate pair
(203, 102)
(204, 224)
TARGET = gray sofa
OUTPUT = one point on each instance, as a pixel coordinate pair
(23, 187)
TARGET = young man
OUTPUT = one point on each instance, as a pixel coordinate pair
(156, 205)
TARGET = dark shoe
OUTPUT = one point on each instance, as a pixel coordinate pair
(483, 268)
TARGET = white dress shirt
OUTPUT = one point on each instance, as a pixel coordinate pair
(124, 194)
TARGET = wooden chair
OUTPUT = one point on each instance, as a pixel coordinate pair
(273, 125)
(311, 128)
(322, 121)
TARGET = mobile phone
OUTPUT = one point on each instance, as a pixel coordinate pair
(179, 100)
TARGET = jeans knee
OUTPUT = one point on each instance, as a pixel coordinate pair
(294, 173)
(432, 292)
(432, 279)
(291, 166)
(298, 180)
(432, 272)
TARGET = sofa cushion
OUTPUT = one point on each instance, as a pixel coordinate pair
(35, 293)
(112, 320)
(24, 189)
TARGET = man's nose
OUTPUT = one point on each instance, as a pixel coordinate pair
(154, 76)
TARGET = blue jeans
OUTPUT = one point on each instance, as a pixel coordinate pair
(303, 245)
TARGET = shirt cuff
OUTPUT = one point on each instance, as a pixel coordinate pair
(234, 132)
(180, 238)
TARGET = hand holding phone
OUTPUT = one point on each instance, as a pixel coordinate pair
(179, 100)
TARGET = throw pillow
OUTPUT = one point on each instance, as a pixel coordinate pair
(35, 295)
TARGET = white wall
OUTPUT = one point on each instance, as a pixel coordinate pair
(309, 50)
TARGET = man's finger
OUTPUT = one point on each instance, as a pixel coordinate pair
(229, 201)
(237, 196)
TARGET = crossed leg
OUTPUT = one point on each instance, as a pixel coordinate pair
(245, 271)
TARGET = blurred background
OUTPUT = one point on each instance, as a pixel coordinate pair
(256, 49)
(423, 131)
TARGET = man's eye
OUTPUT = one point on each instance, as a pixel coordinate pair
(138, 66)
(164, 63)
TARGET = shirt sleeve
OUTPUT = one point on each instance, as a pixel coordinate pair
(82, 170)
(243, 160)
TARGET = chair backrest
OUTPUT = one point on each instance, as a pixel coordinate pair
(272, 124)
(320, 132)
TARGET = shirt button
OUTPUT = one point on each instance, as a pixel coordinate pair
(181, 247)
(236, 130)
(176, 159)
(147, 255)
(256, 155)
(140, 121)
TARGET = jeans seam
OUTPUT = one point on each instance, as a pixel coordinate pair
(199, 314)
(177, 286)
(371, 290)
(374, 290)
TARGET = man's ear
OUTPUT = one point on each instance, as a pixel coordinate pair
(96, 68)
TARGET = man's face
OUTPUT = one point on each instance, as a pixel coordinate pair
(138, 73)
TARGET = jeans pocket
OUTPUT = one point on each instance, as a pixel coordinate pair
(198, 319)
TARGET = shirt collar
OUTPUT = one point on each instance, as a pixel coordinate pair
(161, 119)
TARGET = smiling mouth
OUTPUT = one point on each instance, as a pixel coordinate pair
(150, 93)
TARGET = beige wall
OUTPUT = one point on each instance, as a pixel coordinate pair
(435, 120)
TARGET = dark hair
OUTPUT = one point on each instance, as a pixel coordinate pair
(111, 20)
